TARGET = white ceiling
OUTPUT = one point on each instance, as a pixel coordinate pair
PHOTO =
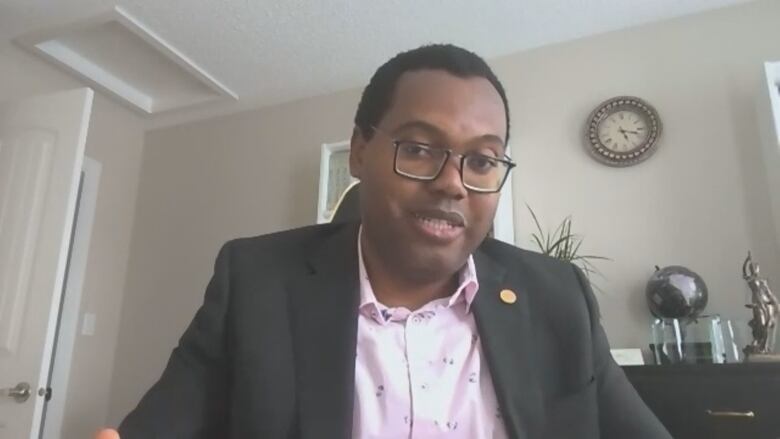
(270, 52)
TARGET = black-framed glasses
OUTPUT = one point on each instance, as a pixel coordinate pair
(478, 172)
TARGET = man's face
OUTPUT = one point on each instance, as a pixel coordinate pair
(428, 228)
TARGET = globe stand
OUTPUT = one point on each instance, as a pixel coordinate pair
(699, 340)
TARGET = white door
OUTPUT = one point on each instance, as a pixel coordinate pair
(41, 151)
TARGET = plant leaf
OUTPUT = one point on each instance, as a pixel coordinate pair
(576, 248)
(539, 243)
(601, 258)
(562, 241)
(536, 220)
(567, 232)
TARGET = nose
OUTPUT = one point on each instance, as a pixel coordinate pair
(449, 183)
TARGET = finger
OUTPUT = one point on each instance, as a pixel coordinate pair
(107, 434)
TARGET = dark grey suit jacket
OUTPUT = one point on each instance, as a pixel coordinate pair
(271, 353)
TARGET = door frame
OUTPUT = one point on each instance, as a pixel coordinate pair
(70, 307)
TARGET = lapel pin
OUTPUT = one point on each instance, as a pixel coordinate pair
(508, 296)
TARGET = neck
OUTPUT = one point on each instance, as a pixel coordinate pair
(393, 288)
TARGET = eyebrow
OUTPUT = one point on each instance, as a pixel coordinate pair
(436, 131)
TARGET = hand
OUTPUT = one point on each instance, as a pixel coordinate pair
(107, 434)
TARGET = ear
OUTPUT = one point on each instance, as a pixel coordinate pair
(357, 147)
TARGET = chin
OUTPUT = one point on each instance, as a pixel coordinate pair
(432, 262)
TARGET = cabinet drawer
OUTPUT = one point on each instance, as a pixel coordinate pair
(719, 401)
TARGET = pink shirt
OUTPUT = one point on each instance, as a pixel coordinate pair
(422, 374)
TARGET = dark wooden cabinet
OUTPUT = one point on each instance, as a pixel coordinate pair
(713, 401)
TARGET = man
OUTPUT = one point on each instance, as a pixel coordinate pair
(407, 324)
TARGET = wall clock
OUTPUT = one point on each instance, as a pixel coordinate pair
(623, 131)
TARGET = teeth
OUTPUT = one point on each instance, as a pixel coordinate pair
(435, 223)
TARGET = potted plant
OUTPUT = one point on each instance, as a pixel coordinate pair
(565, 245)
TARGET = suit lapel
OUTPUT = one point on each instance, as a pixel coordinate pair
(323, 309)
(507, 341)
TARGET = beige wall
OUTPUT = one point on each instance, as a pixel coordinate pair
(202, 184)
(115, 139)
(699, 202)
(770, 122)
(702, 201)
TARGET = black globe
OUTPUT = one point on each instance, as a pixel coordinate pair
(676, 292)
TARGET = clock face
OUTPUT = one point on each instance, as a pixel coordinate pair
(623, 131)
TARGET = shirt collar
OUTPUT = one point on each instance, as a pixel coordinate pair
(467, 287)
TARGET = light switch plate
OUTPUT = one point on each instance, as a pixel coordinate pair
(628, 357)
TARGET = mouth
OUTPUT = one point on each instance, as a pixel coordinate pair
(439, 225)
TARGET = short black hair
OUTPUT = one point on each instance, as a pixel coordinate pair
(378, 94)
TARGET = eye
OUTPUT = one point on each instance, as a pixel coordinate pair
(410, 149)
(481, 163)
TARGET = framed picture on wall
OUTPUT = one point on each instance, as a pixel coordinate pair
(335, 179)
